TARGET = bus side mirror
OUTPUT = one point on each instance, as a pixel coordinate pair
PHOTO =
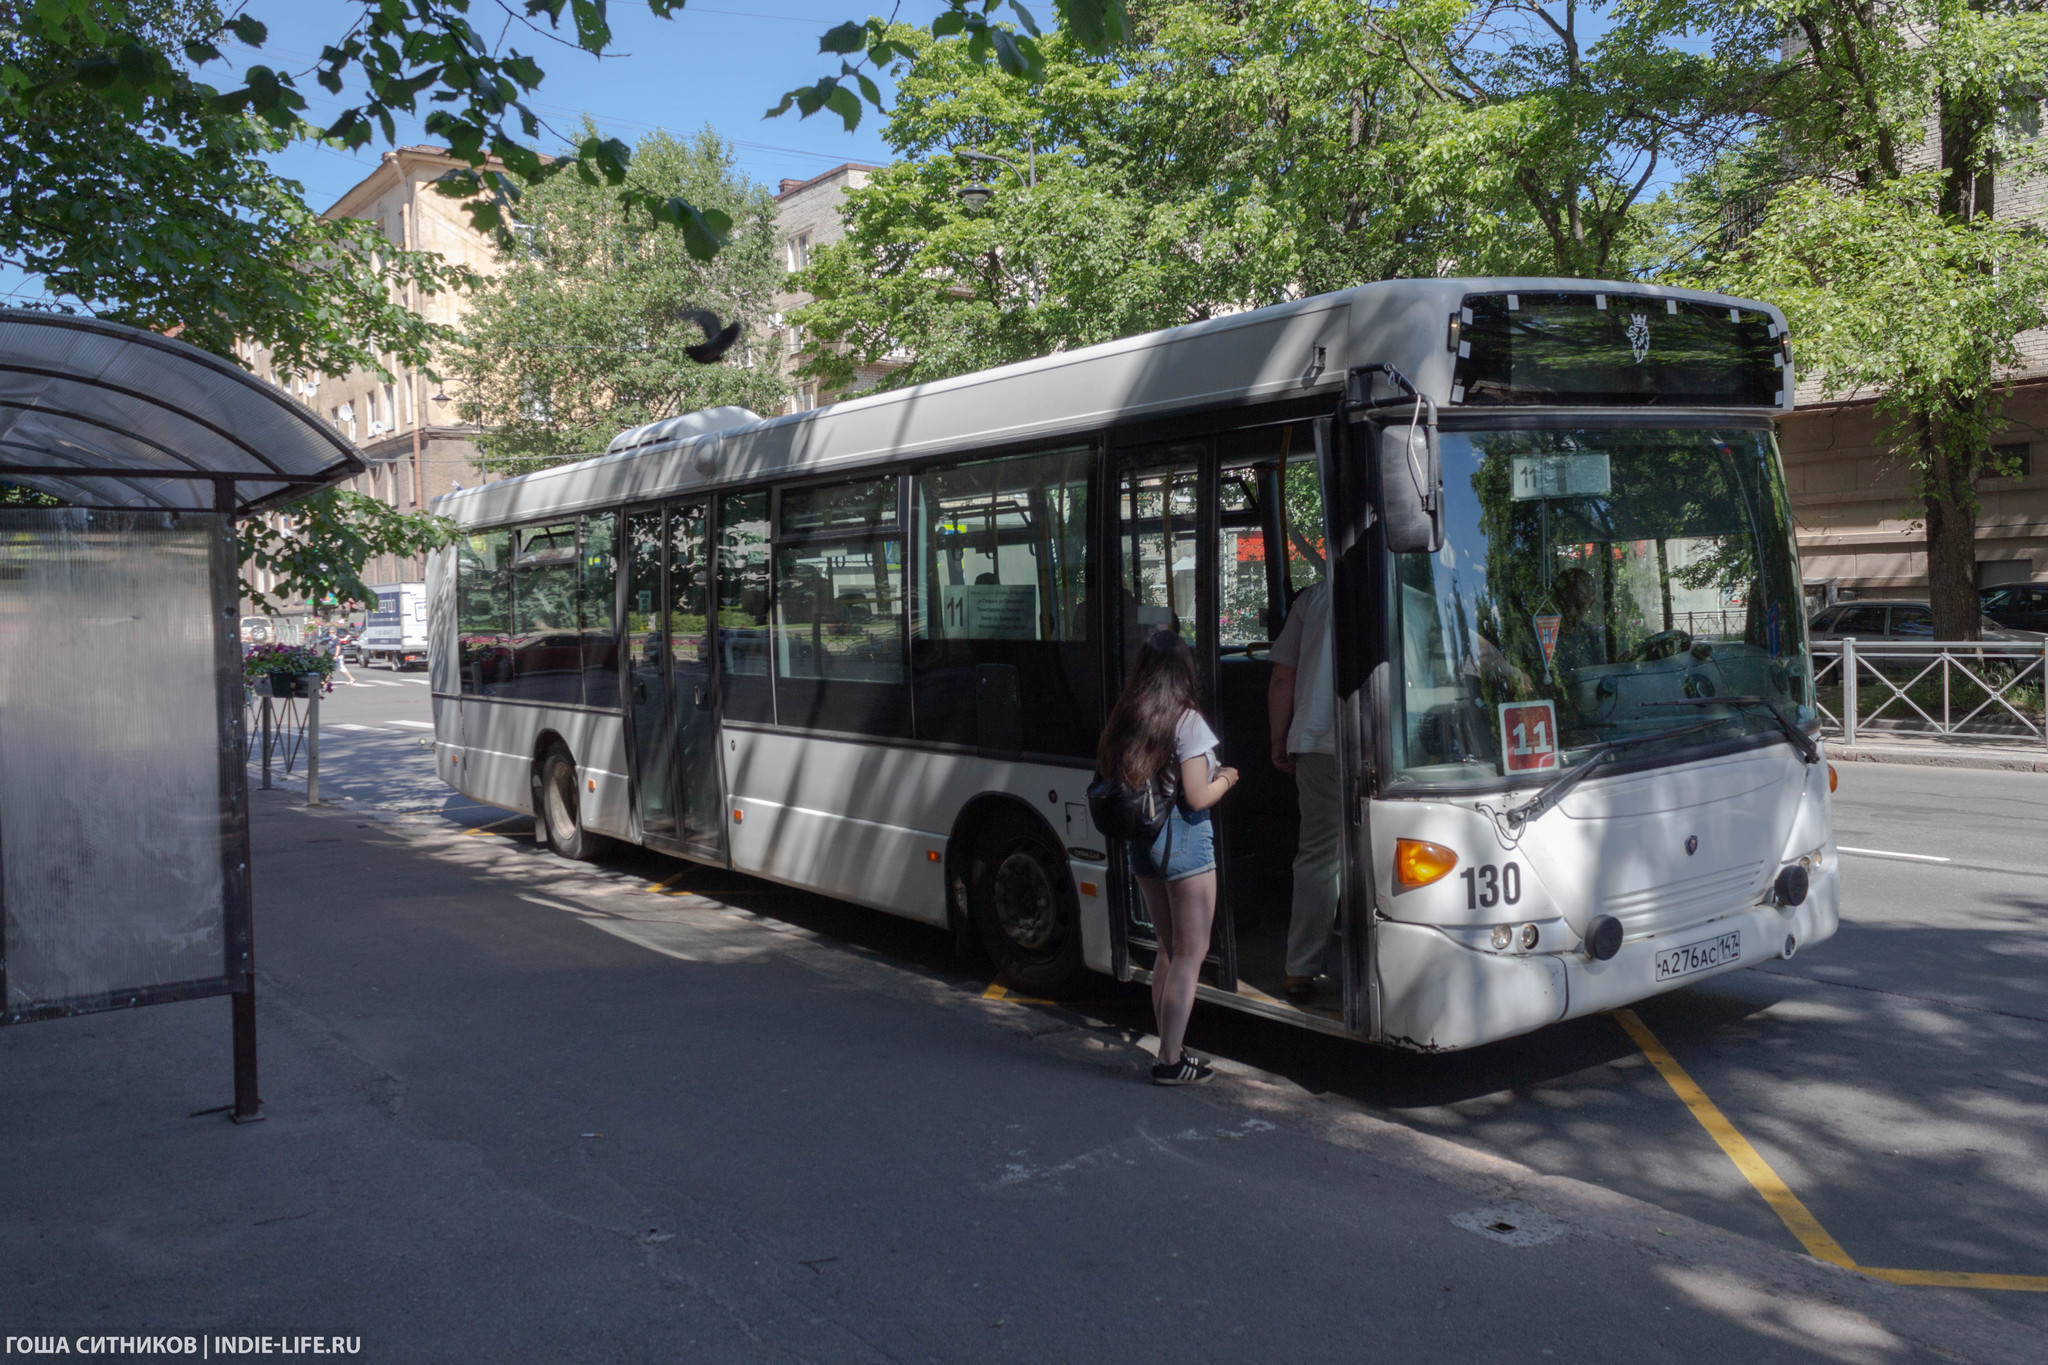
(1411, 488)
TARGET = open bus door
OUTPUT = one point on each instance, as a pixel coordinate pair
(1383, 488)
(1356, 590)
(1165, 575)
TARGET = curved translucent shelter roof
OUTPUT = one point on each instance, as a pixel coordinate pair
(103, 415)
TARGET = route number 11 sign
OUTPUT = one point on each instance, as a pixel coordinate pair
(1528, 731)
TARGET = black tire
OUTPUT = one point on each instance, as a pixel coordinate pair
(558, 806)
(1021, 899)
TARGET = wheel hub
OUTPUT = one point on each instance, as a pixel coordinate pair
(1025, 904)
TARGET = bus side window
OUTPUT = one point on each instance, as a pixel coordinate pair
(546, 650)
(1000, 653)
(838, 626)
(595, 609)
(483, 610)
(747, 692)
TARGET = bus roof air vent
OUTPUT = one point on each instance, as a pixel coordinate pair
(680, 428)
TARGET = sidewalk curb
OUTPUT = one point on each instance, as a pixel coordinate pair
(1933, 757)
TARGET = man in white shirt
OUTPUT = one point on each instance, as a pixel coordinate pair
(1301, 706)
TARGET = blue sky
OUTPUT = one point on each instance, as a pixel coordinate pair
(722, 64)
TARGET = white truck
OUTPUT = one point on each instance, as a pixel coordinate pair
(397, 630)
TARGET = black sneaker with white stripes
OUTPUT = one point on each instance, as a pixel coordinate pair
(1186, 1071)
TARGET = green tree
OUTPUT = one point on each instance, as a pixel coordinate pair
(138, 189)
(586, 330)
(1234, 156)
(317, 548)
(1873, 201)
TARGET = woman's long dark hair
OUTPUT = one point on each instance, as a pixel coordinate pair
(1137, 741)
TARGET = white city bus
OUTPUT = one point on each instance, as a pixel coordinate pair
(867, 649)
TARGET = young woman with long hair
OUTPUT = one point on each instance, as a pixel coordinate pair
(1157, 722)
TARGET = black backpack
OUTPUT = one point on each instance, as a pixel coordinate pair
(1122, 811)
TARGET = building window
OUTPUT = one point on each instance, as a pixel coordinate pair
(798, 250)
(2013, 461)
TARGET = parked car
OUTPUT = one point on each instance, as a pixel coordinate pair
(256, 630)
(1895, 619)
(2017, 606)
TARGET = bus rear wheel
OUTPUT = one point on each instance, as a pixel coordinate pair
(561, 809)
(1022, 901)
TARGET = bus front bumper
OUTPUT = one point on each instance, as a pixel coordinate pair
(1436, 994)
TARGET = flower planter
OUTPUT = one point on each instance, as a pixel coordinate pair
(284, 685)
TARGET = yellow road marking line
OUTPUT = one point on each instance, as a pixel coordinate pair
(996, 991)
(1783, 1202)
(665, 883)
(1795, 1215)
(1960, 1279)
(492, 828)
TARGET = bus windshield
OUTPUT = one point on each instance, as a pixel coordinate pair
(1597, 584)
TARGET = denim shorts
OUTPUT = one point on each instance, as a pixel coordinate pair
(1193, 849)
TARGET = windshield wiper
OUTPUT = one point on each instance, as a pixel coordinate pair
(1801, 741)
(1559, 787)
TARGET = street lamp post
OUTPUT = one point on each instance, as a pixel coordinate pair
(975, 195)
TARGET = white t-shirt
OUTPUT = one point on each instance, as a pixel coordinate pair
(1304, 646)
(1192, 736)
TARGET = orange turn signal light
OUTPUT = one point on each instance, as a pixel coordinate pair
(931, 855)
(1834, 778)
(738, 816)
(1418, 862)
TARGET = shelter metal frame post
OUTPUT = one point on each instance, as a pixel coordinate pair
(313, 744)
(237, 889)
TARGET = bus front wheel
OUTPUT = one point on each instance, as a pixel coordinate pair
(561, 812)
(1022, 900)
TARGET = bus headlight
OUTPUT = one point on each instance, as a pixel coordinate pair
(1417, 862)
(1502, 936)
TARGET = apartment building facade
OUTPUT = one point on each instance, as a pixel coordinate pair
(807, 216)
(405, 426)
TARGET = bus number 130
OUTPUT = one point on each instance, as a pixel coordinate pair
(1487, 886)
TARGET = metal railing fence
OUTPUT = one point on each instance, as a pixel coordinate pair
(1976, 689)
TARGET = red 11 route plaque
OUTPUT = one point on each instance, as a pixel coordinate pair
(1528, 733)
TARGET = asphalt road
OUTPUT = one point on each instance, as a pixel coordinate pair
(1895, 1076)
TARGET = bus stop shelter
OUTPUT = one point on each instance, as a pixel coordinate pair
(124, 800)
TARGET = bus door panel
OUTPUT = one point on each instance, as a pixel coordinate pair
(1358, 582)
(1269, 551)
(694, 699)
(650, 731)
(1166, 580)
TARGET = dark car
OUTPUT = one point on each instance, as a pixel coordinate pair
(2017, 606)
(1894, 619)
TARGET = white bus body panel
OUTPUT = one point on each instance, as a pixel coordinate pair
(862, 821)
(488, 754)
(1615, 846)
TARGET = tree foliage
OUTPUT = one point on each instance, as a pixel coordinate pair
(153, 205)
(1233, 156)
(1872, 200)
(318, 548)
(585, 331)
